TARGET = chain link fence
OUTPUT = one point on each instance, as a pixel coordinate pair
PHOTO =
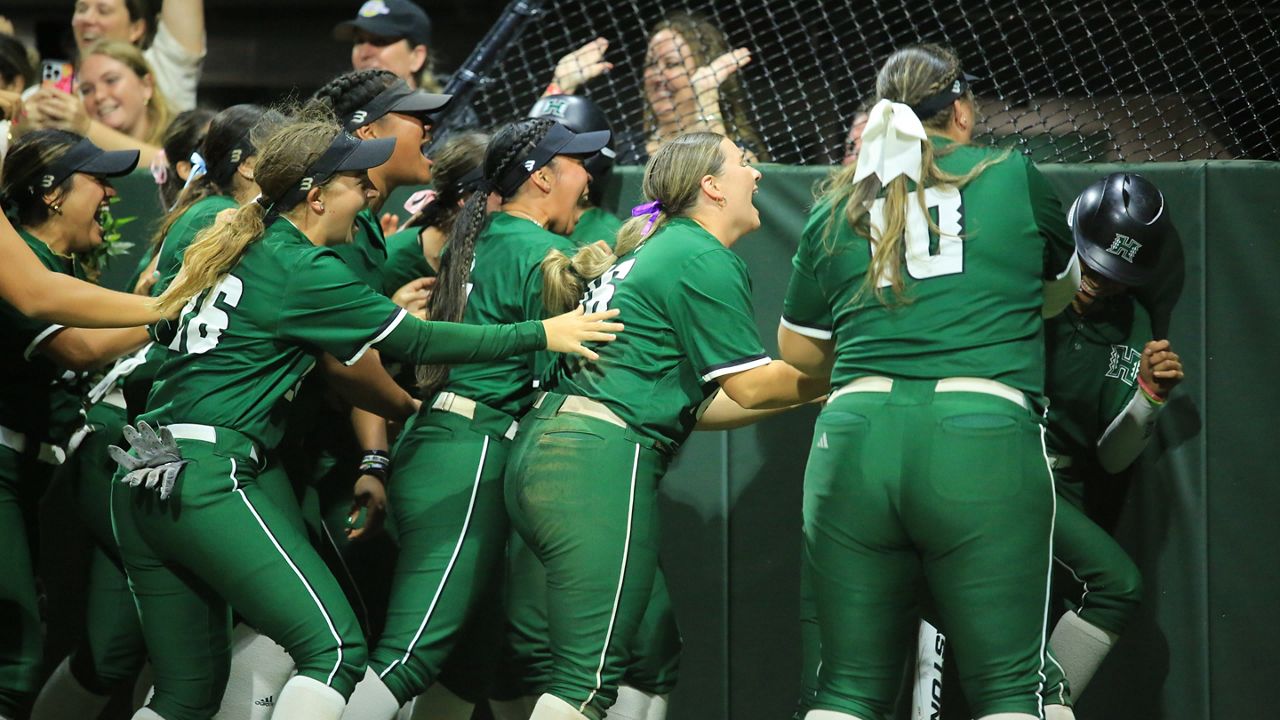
(1064, 81)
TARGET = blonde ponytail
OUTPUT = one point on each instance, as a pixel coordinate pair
(211, 255)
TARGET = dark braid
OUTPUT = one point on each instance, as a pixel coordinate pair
(351, 91)
(508, 147)
(460, 155)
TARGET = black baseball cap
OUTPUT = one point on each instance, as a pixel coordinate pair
(559, 140)
(397, 98)
(388, 18)
(346, 153)
(87, 158)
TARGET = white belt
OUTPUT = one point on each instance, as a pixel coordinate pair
(466, 407)
(203, 433)
(16, 441)
(984, 386)
(579, 405)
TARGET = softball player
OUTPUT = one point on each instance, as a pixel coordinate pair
(928, 464)
(112, 650)
(525, 665)
(447, 500)
(581, 483)
(260, 300)
(55, 184)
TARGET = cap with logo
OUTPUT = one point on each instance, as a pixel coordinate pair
(346, 153)
(85, 157)
(559, 140)
(397, 98)
(1119, 225)
(580, 115)
(388, 19)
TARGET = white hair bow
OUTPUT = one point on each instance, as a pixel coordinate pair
(890, 143)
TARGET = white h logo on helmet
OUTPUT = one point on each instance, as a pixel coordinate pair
(1124, 247)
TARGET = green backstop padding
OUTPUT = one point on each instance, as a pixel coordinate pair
(1198, 517)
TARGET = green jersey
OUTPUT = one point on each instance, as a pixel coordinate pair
(972, 295)
(595, 224)
(37, 398)
(196, 218)
(506, 287)
(405, 260)
(243, 346)
(1092, 372)
(366, 254)
(686, 302)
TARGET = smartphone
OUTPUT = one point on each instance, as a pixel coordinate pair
(58, 74)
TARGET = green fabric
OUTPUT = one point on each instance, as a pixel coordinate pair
(910, 487)
(446, 495)
(366, 254)
(971, 305)
(405, 261)
(584, 498)
(1092, 372)
(686, 303)
(1093, 572)
(505, 287)
(22, 480)
(595, 224)
(188, 577)
(37, 398)
(196, 218)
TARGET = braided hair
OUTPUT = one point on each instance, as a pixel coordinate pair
(351, 91)
(452, 169)
(511, 144)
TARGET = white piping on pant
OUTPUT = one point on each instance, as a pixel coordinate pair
(1048, 582)
(622, 574)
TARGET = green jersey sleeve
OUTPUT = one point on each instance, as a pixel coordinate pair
(711, 314)
(805, 309)
(1051, 221)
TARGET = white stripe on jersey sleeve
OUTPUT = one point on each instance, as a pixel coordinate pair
(740, 367)
(44, 335)
(816, 333)
(391, 325)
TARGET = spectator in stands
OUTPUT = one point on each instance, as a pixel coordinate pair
(120, 106)
(689, 85)
(173, 42)
(16, 73)
(391, 35)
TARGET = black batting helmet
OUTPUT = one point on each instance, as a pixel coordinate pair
(581, 115)
(1119, 224)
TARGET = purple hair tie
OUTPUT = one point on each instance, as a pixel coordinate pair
(652, 209)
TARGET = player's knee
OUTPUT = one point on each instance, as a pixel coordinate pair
(1125, 592)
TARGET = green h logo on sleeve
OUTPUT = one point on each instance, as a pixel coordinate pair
(1124, 364)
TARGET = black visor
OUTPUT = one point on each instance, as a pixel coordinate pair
(941, 100)
(397, 98)
(346, 153)
(559, 140)
(89, 159)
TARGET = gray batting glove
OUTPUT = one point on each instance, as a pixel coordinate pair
(156, 460)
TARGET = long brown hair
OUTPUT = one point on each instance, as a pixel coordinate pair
(283, 159)
(706, 43)
(909, 76)
(673, 177)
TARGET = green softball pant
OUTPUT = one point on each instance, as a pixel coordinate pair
(230, 536)
(949, 493)
(525, 667)
(1092, 572)
(583, 494)
(111, 650)
(446, 496)
(23, 479)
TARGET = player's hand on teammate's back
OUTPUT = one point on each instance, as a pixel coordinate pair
(156, 461)
(1161, 367)
(566, 333)
(368, 509)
